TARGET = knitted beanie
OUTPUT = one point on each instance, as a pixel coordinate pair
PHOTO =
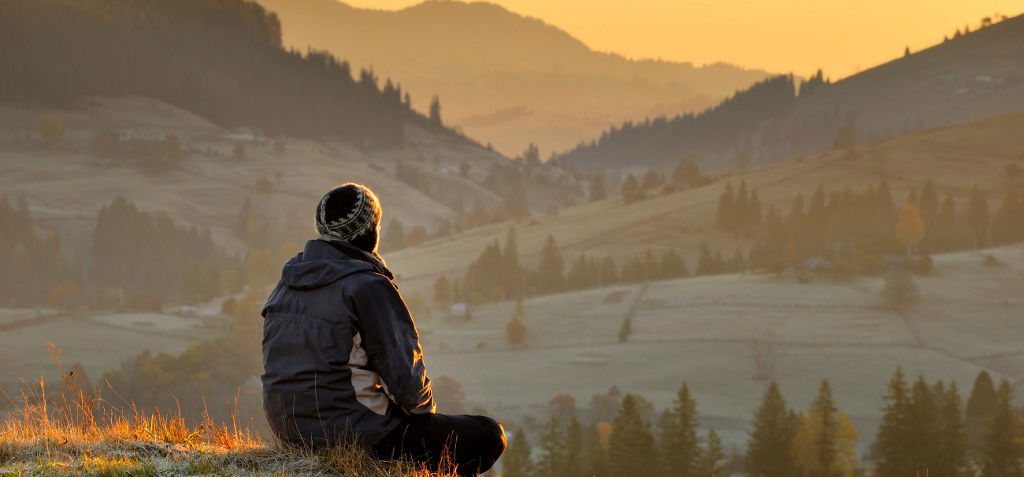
(349, 213)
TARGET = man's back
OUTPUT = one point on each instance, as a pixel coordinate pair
(319, 384)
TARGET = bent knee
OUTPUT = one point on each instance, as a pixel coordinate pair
(495, 436)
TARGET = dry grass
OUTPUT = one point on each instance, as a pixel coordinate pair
(73, 433)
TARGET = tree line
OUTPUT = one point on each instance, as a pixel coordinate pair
(31, 264)
(498, 274)
(223, 60)
(858, 227)
(926, 430)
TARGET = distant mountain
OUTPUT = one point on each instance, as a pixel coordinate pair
(485, 61)
(963, 79)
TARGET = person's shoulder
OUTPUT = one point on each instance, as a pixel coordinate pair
(368, 280)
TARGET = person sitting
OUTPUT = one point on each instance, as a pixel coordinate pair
(342, 358)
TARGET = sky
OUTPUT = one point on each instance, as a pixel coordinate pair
(799, 36)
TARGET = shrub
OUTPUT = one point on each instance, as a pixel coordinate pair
(899, 291)
(515, 332)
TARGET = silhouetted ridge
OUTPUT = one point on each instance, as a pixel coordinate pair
(965, 78)
(664, 141)
(221, 59)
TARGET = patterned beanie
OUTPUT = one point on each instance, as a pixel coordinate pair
(349, 213)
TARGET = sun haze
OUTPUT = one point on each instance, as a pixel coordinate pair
(797, 36)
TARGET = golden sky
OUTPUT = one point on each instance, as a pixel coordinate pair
(840, 36)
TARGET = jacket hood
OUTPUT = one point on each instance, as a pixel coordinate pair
(322, 263)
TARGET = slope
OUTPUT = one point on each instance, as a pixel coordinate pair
(954, 158)
(964, 79)
(502, 77)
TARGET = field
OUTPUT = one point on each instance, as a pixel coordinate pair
(708, 331)
(100, 342)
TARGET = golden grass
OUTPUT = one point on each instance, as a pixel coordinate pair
(75, 433)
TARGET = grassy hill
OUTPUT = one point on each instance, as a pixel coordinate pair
(712, 332)
(66, 186)
(964, 79)
(502, 77)
(78, 438)
(954, 158)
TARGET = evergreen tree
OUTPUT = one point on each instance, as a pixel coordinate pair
(550, 274)
(952, 437)
(922, 420)
(895, 436)
(978, 217)
(677, 438)
(631, 448)
(435, 111)
(929, 202)
(510, 269)
(1008, 223)
(553, 450)
(711, 458)
(672, 265)
(516, 461)
(825, 409)
(726, 214)
(1002, 454)
(770, 444)
(575, 464)
(609, 273)
(981, 406)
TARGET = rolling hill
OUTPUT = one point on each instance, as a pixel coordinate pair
(955, 158)
(963, 79)
(502, 77)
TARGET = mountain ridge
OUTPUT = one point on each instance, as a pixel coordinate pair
(481, 58)
(966, 78)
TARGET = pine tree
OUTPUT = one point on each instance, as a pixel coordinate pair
(575, 465)
(609, 273)
(553, 450)
(825, 441)
(1002, 454)
(978, 217)
(921, 447)
(952, 437)
(516, 461)
(709, 463)
(1008, 223)
(726, 214)
(631, 445)
(550, 274)
(945, 235)
(894, 433)
(981, 406)
(510, 268)
(770, 444)
(929, 202)
(678, 436)
(435, 111)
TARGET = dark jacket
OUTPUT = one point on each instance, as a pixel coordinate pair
(341, 356)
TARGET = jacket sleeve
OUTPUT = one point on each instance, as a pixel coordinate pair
(392, 344)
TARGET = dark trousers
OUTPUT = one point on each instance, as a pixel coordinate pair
(471, 444)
